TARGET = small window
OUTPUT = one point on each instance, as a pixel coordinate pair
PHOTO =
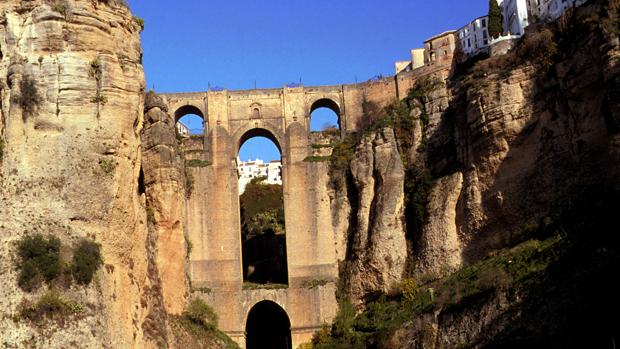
(255, 113)
(484, 23)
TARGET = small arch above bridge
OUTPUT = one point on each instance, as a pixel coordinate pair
(325, 103)
(186, 110)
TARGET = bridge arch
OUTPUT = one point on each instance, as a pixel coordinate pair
(263, 229)
(248, 133)
(190, 112)
(328, 104)
(268, 326)
(188, 109)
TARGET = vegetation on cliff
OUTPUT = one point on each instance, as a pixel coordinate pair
(545, 283)
(262, 233)
(197, 328)
(529, 275)
(41, 260)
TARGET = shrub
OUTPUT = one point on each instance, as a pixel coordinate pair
(86, 260)
(29, 98)
(409, 289)
(51, 305)
(262, 209)
(317, 158)
(99, 99)
(29, 278)
(40, 259)
(61, 8)
(95, 69)
(538, 47)
(197, 163)
(1, 149)
(201, 313)
(139, 21)
(107, 166)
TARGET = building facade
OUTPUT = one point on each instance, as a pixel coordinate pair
(182, 130)
(474, 37)
(440, 49)
(516, 16)
(248, 170)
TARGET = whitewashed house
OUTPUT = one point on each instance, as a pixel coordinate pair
(248, 170)
(474, 37)
(182, 130)
(516, 16)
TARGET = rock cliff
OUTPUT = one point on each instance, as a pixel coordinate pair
(517, 147)
(377, 249)
(72, 100)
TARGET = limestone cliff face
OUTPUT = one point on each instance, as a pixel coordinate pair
(377, 245)
(71, 162)
(511, 148)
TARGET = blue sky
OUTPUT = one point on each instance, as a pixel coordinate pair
(190, 45)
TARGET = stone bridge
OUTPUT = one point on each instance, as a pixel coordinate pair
(213, 222)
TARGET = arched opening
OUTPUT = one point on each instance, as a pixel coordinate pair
(268, 326)
(189, 121)
(261, 209)
(324, 116)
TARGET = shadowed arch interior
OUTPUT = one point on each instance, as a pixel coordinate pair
(268, 326)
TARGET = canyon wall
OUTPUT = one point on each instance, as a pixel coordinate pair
(73, 165)
(511, 144)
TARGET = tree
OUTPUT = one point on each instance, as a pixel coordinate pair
(495, 19)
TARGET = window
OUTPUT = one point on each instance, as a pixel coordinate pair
(484, 23)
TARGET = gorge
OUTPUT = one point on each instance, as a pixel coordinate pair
(466, 204)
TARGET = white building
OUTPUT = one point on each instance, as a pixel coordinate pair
(417, 61)
(474, 36)
(553, 9)
(516, 16)
(249, 170)
(182, 129)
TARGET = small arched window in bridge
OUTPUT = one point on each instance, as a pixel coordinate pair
(255, 113)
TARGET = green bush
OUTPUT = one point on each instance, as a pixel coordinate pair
(99, 99)
(107, 166)
(201, 313)
(197, 163)
(86, 261)
(61, 8)
(262, 209)
(1, 149)
(317, 158)
(139, 21)
(409, 289)
(51, 305)
(95, 69)
(40, 260)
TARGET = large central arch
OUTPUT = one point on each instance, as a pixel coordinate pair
(268, 326)
(263, 230)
